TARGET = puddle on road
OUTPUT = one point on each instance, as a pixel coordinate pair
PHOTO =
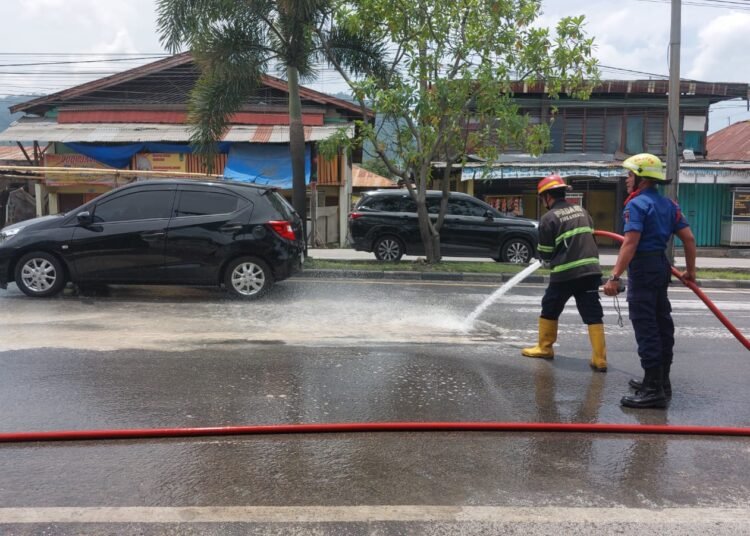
(114, 324)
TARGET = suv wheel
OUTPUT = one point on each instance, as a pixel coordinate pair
(248, 278)
(388, 248)
(40, 275)
(516, 251)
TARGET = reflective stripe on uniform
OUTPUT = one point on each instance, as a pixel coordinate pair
(546, 249)
(573, 232)
(575, 264)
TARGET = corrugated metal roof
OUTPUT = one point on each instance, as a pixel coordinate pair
(361, 178)
(46, 130)
(12, 153)
(730, 143)
(170, 80)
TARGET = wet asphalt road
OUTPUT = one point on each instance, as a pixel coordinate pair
(343, 351)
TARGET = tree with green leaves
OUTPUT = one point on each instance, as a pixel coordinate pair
(449, 85)
(235, 42)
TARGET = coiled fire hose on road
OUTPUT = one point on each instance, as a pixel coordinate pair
(696, 289)
(352, 427)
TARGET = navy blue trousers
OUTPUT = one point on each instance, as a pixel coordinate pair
(586, 292)
(650, 310)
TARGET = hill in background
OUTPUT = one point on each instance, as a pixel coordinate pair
(6, 118)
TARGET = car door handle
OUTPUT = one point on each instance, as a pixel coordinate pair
(230, 228)
(153, 235)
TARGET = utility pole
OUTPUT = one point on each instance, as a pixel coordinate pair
(673, 105)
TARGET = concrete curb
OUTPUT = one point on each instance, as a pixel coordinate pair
(473, 278)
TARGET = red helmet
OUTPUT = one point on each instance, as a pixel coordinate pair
(550, 182)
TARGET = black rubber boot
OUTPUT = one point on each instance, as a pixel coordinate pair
(666, 383)
(651, 394)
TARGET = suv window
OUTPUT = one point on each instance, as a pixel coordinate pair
(143, 205)
(465, 207)
(383, 204)
(433, 205)
(197, 203)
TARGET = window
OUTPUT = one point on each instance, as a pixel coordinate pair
(464, 207)
(205, 203)
(634, 136)
(594, 132)
(144, 205)
(613, 134)
(408, 204)
(280, 204)
(656, 143)
(384, 204)
(433, 205)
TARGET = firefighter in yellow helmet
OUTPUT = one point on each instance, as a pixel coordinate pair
(650, 220)
(566, 242)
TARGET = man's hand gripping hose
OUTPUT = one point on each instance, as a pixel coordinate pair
(685, 278)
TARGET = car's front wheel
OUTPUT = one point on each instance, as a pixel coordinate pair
(388, 248)
(40, 275)
(516, 251)
(248, 278)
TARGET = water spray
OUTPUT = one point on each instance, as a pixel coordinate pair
(492, 298)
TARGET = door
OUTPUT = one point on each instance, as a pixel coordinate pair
(205, 225)
(126, 241)
(468, 231)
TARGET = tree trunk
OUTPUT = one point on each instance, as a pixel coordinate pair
(430, 238)
(297, 149)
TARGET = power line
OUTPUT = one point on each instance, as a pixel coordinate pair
(740, 6)
(76, 61)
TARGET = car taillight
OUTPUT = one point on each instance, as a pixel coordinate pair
(283, 229)
(355, 215)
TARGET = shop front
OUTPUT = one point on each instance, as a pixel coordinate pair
(512, 189)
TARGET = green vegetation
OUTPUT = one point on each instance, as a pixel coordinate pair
(476, 268)
(447, 91)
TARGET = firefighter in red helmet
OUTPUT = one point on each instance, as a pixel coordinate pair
(566, 242)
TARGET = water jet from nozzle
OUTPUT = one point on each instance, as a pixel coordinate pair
(492, 298)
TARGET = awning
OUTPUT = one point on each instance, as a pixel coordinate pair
(270, 165)
(42, 129)
(530, 171)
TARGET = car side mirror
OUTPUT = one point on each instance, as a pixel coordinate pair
(489, 214)
(85, 218)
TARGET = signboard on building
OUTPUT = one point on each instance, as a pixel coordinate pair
(176, 162)
(741, 205)
(75, 160)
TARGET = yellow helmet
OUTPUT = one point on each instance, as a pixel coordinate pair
(645, 165)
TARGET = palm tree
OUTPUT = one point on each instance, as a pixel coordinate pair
(235, 41)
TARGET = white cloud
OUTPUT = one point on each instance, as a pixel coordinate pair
(723, 52)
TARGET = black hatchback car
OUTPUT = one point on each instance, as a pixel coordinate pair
(385, 223)
(159, 232)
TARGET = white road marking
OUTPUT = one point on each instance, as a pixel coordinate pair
(377, 513)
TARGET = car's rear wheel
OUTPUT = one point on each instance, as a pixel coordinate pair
(40, 275)
(516, 251)
(388, 248)
(248, 278)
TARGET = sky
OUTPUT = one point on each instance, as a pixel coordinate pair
(631, 34)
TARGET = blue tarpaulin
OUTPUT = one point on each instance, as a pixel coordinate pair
(268, 164)
(120, 156)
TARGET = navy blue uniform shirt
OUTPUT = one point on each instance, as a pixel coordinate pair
(654, 216)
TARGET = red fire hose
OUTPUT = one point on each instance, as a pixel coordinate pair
(692, 286)
(81, 435)
(140, 433)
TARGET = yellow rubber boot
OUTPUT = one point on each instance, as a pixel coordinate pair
(547, 337)
(598, 348)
